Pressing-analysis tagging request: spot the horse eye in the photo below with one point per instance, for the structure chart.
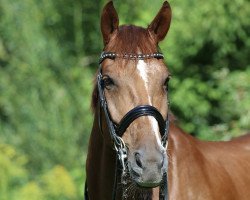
(165, 86)
(107, 82)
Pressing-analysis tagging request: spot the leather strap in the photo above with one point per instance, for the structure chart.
(139, 111)
(129, 56)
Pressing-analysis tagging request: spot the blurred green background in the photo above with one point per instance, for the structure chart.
(48, 56)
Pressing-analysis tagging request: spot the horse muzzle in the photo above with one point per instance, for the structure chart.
(147, 169)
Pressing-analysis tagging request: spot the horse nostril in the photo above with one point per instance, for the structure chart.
(138, 160)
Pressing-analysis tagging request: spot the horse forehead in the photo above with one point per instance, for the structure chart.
(147, 69)
(128, 66)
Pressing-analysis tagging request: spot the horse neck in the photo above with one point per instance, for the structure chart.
(183, 148)
(186, 163)
(101, 162)
(180, 143)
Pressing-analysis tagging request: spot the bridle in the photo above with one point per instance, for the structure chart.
(117, 130)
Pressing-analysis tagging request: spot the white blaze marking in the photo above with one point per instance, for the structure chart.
(143, 72)
(142, 67)
(155, 126)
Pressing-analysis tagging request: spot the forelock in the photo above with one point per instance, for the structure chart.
(132, 39)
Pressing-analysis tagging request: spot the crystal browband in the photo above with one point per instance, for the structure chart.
(130, 56)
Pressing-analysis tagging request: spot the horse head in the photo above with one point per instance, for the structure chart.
(137, 78)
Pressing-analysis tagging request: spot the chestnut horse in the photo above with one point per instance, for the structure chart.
(133, 82)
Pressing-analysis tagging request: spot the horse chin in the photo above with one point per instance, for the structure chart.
(138, 181)
(147, 185)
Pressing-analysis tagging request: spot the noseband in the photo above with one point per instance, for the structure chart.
(117, 130)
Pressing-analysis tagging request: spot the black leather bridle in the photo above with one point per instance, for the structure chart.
(117, 130)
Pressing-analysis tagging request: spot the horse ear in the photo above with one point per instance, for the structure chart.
(109, 21)
(161, 23)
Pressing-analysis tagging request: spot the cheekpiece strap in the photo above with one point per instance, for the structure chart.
(130, 56)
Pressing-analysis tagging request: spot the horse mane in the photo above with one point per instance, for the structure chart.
(127, 39)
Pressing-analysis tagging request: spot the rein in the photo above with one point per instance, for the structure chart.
(117, 130)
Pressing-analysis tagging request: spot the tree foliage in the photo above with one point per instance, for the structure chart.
(48, 54)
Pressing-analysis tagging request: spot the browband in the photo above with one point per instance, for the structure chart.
(130, 56)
